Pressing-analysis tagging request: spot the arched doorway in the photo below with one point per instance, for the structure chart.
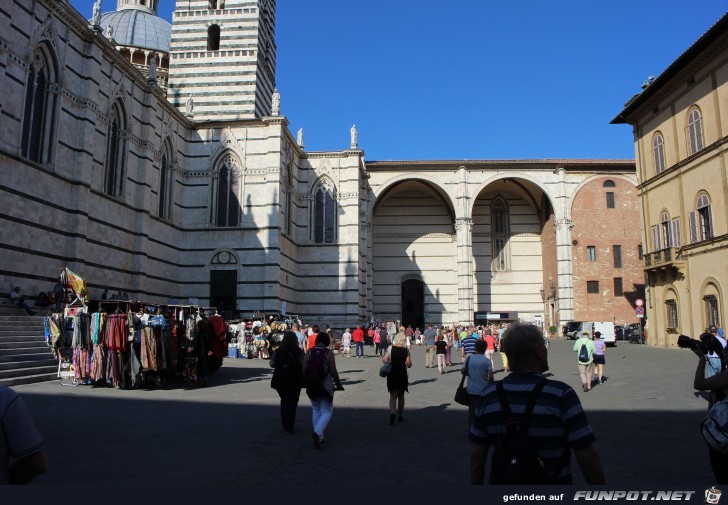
(413, 303)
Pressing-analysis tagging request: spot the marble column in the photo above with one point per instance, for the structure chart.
(464, 237)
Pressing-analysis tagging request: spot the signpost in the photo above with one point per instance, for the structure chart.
(640, 313)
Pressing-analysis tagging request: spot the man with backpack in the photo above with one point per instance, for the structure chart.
(532, 423)
(585, 348)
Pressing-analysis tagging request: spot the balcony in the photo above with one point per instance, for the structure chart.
(664, 258)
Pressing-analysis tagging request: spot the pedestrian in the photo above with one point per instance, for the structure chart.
(105, 294)
(490, 345)
(503, 355)
(384, 338)
(717, 384)
(409, 331)
(584, 347)
(377, 342)
(479, 371)
(600, 350)
(21, 446)
(441, 351)
(397, 380)
(716, 346)
(346, 343)
(467, 344)
(430, 349)
(17, 299)
(302, 339)
(312, 335)
(418, 336)
(358, 338)
(288, 379)
(557, 427)
(447, 337)
(322, 380)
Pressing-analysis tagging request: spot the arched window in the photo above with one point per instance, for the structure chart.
(40, 106)
(289, 200)
(324, 213)
(115, 151)
(213, 38)
(609, 194)
(500, 233)
(166, 183)
(695, 131)
(658, 152)
(227, 202)
(665, 230)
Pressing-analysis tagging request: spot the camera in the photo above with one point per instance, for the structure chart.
(686, 342)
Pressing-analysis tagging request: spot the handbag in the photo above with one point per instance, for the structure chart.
(461, 394)
(386, 369)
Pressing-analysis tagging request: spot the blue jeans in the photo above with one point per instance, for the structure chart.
(360, 348)
(323, 409)
(712, 366)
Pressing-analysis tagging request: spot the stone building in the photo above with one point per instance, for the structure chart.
(202, 193)
(679, 122)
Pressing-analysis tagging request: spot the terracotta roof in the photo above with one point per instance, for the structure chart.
(714, 32)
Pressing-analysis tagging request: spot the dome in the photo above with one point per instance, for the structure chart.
(136, 28)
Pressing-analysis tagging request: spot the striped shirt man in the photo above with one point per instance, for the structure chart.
(558, 423)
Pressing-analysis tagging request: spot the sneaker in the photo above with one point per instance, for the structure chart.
(289, 432)
(316, 440)
(391, 419)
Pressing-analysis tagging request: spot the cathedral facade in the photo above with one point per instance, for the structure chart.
(167, 170)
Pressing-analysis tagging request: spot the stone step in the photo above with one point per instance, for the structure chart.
(29, 379)
(37, 354)
(23, 332)
(34, 320)
(14, 365)
(21, 336)
(23, 350)
(21, 372)
(25, 343)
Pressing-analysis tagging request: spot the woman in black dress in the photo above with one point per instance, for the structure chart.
(288, 379)
(397, 380)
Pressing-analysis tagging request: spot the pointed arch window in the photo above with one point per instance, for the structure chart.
(695, 131)
(115, 150)
(500, 232)
(658, 152)
(324, 213)
(227, 202)
(288, 210)
(40, 106)
(166, 183)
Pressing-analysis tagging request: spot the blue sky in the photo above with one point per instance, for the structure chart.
(472, 79)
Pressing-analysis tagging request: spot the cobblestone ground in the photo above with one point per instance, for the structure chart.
(646, 418)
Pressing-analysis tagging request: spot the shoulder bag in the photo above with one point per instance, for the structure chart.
(461, 394)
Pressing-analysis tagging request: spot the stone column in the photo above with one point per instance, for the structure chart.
(464, 234)
(563, 226)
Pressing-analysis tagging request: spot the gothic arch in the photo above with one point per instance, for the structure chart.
(40, 104)
(323, 211)
(226, 190)
(224, 258)
(482, 187)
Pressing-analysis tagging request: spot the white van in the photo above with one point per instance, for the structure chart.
(605, 329)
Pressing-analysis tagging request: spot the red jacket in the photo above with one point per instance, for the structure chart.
(358, 335)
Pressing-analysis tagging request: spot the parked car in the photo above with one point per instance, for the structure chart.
(619, 332)
(632, 332)
(569, 329)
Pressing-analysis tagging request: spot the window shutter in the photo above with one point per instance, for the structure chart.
(677, 239)
(656, 238)
(693, 227)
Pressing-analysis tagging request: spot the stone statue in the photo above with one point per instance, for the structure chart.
(153, 68)
(189, 106)
(96, 19)
(276, 108)
(109, 31)
(299, 138)
(354, 144)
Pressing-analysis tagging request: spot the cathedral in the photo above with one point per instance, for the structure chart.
(155, 159)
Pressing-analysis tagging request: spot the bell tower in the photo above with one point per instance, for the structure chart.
(223, 58)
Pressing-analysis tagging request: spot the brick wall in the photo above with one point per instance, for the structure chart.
(600, 227)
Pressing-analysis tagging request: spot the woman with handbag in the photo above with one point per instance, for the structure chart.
(397, 380)
(288, 379)
(479, 371)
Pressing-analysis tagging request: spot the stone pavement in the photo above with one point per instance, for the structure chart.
(646, 418)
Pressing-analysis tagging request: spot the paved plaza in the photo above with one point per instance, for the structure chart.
(646, 418)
